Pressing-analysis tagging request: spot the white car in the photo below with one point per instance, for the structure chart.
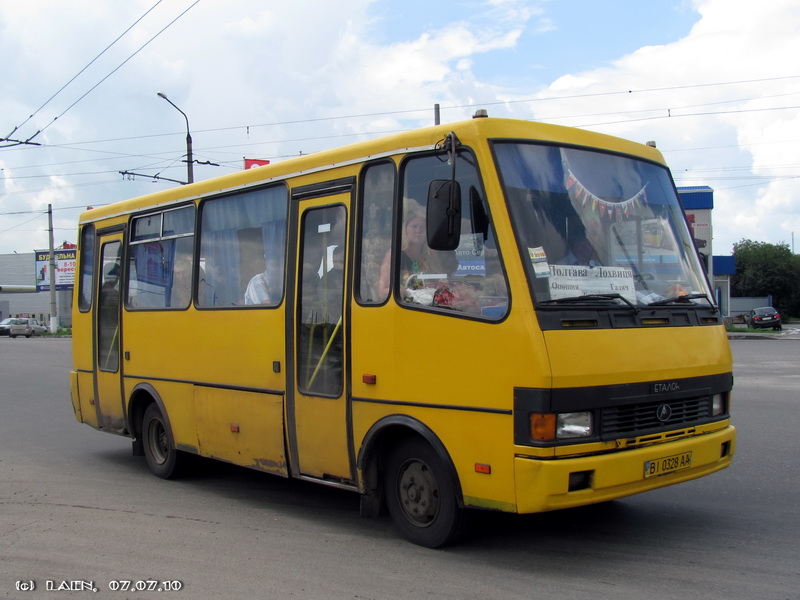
(27, 327)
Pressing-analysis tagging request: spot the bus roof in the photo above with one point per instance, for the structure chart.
(469, 132)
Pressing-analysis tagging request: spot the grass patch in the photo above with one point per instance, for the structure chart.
(60, 332)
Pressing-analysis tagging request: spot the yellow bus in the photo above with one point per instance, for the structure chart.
(491, 314)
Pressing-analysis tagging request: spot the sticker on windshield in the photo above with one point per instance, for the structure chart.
(539, 262)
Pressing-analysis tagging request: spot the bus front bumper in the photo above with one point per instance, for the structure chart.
(552, 484)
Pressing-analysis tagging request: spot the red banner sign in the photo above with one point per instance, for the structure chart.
(252, 163)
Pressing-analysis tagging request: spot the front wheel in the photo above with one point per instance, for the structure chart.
(421, 495)
(163, 458)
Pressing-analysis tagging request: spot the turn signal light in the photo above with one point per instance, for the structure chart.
(543, 427)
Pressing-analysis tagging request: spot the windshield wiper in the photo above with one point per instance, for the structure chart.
(685, 299)
(591, 298)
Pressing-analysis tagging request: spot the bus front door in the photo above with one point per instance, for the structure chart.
(107, 328)
(317, 393)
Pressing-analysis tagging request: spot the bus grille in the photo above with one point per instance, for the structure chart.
(636, 419)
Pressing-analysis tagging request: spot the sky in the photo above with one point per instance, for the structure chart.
(715, 83)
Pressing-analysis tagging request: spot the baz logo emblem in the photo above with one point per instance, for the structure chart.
(663, 412)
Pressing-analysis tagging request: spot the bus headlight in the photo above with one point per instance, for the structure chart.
(573, 425)
(718, 405)
(548, 427)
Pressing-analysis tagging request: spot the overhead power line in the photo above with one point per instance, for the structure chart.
(78, 74)
(656, 113)
(454, 107)
(38, 214)
(142, 47)
(662, 113)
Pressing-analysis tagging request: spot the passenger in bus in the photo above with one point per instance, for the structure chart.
(109, 291)
(571, 238)
(416, 258)
(264, 287)
(581, 252)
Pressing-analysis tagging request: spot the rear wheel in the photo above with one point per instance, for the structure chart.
(421, 495)
(163, 458)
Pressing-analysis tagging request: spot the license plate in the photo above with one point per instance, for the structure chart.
(667, 464)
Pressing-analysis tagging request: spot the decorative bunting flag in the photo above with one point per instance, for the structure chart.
(582, 194)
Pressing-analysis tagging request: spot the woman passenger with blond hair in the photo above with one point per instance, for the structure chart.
(416, 257)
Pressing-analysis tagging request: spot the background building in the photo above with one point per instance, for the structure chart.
(17, 270)
(698, 203)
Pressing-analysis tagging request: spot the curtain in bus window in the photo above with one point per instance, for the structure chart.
(220, 264)
(242, 248)
(180, 289)
(267, 287)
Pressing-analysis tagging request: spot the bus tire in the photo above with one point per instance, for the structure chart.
(163, 459)
(421, 495)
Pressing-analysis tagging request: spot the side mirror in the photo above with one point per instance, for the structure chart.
(444, 214)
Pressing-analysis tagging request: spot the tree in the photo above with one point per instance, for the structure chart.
(764, 269)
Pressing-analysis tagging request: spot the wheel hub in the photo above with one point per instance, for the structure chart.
(419, 493)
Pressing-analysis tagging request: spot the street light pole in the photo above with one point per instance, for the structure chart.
(189, 160)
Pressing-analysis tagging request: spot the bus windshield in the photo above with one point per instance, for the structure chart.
(599, 227)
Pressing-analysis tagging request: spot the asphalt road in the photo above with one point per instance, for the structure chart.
(76, 506)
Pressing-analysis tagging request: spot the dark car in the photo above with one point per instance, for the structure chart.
(5, 326)
(762, 318)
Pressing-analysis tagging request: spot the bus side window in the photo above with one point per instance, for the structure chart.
(376, 230)
(160, 260)
(86, 268)
(469, 279)
(243, 249)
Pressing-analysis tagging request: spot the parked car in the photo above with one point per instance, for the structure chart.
(762, 318)
(27, 327)
(5, 326)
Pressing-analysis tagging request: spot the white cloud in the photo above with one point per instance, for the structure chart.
(729, 126)
(244, 71)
